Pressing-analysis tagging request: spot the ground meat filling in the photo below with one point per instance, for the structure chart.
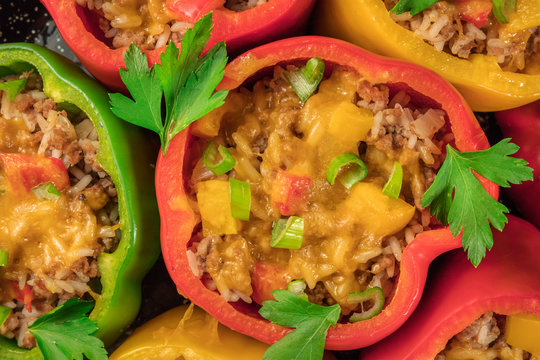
(146, 23)
(32, 123)
(483, 340)
(440, 25)
(270, 132)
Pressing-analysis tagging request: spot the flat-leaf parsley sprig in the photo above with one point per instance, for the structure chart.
(311, 321)
(66, 333)
(186, 80)
(458, 198)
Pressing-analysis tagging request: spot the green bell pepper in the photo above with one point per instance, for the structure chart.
(125, 156)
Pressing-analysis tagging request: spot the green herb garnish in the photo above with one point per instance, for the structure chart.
(458, 198)
(66, 332)
(4, 314)
(187, 81)
(392, 188)
(13, 87)
(218, 159)
(306, 79)
(416, 6)
(288, 233)
(352, 176)
(311, 323)
(4, 256)
(240, 198)
(46, 192)
(374, 295)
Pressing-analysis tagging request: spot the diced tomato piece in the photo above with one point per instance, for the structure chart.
(25, 172)
(266, 278)
(290, 193)
(25, 295)
(474, 11)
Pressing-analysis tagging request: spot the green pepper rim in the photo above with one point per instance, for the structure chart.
(128, 162)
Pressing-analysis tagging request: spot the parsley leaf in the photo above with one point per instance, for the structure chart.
(311, 321)
(458, 198)
(13, 87)
(66, 332)
(184, 79)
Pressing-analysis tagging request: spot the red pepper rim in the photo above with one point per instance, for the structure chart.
(459, 293)
(178, 219)
(241, 30)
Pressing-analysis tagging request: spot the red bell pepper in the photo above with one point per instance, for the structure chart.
(523, 126)
(178, 220)
(474, 11)
(241, 30)
(290, 192)
(506, 282)
(23, 295)
(266, 278)
(25, 172)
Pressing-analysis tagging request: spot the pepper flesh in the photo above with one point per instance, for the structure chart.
(241, 30)
(523, 126)
(479, 79)
(128, 163)
(178, 219)
(506, 282)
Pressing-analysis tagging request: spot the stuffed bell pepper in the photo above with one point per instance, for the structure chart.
(189, 333)
(99, 31)
(489, 50)
(309, 181)
(72, 203)
(523, 126)
(491, 312)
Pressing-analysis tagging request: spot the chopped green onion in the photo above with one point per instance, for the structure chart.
(3, 257)
(298, 287)
(499, 6)
(240, 197)
(4, 314)
(374, 295)
(13, 87)
(218, 159)
(351, 177)
(306, 79)
(2, 191)
(288, 233)
(46, 192)
(392, 188)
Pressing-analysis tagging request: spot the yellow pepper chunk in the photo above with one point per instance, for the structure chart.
(215, 208)
(523, 332)
(374, 212)
(190, 334)
(350, 124)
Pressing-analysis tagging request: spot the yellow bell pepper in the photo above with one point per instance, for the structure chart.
(485, 86)
(523, 332)
(189, 333)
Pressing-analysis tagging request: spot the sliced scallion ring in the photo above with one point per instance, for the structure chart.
(374, 295)
(240, 197)
(13, 87)
(46, 192)
(218, 159)
(298, 287)
(288, 233)
(4, 314)
(3, 257)
(392, 188)
(306, 79)
(352, 176)
(2, 191)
